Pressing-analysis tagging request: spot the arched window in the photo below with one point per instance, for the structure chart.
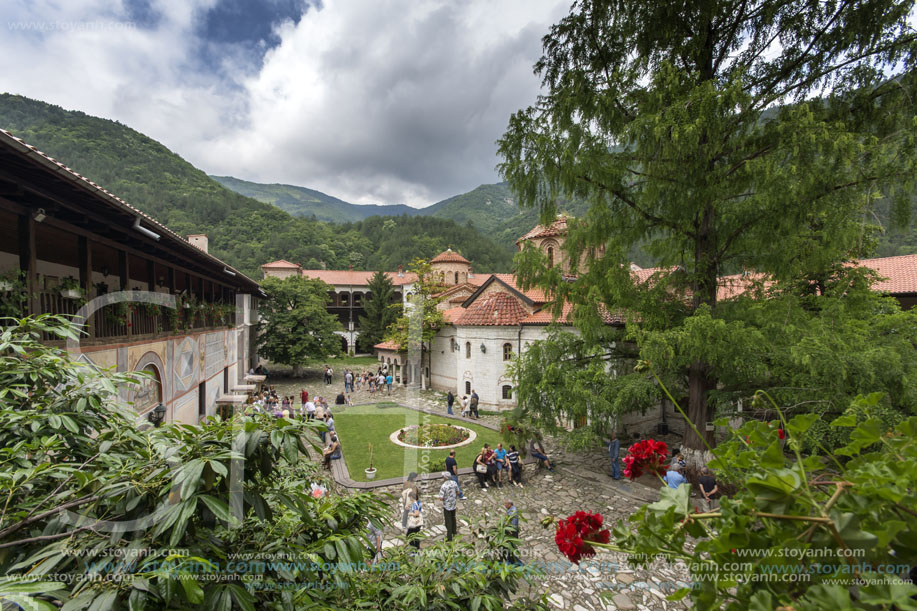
(467, 350)
(550, 256)
(345, 299)
(456, 277)
(507, 391)
(507, 351)
(467, 387)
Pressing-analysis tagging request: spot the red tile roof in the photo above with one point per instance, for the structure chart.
(899, 273)
(448, 256)
(388, 346)
(558, 227)
(545, 316)
(453, 314)
(498, 309)
(354, 278)
(534, 294)
(281, 264)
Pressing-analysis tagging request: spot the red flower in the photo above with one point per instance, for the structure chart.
(645, 455)
(575, 533)
(781, 434)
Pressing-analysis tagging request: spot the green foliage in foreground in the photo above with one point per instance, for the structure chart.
(806, 533)
(99, 514)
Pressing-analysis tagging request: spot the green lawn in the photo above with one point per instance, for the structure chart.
(364, 424)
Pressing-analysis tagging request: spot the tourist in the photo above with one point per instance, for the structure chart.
(415, 523)
(450, 399)
(673, 477)
(491, 464)
(614, 450)
(452, 468)
(388, 382)
(709, 490)
(515, 466)
(329, 422)
(679, 459)
(474, 404)
(409, 489)
(374, 534)
(348, 380)
(303, 398)
(448, 492)
(332, 452)
(466, 411)
(340, 399)
(512, 530)
(328, 375)
(310, 410)
(500, 464)
(480, 468)
(537, 451)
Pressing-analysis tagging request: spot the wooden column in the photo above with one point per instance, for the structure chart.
(171, 281)
(124, 266)
(151, 274)
(28, 260)
(85, 255)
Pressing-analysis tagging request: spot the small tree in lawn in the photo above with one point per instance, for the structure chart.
(295, 326)
(380, 312)
(719, 137)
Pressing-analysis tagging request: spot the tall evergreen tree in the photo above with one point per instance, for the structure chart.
(380, 312)
(722, 135)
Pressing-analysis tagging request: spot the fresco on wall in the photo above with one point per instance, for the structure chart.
(185, 366)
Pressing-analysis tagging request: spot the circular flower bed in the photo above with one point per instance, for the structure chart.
(433, 436)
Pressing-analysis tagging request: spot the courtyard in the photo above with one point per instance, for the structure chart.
(580, 481)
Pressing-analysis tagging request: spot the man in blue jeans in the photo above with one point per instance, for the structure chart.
(452, 470)
(501, 462)
(614, 448)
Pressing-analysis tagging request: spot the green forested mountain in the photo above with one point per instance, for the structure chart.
(301, 201)
(243, 231)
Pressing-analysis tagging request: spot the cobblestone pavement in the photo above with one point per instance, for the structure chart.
(580, 481)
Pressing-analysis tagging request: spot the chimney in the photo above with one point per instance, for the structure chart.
(198, 241)
(470, 272)
(401, 271)
(351, 268)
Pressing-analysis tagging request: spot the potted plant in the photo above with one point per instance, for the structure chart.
(371, 472)
(69, 288)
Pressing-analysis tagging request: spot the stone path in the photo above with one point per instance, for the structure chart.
(579, 482)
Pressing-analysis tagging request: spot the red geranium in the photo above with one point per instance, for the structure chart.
(781, 434)
(574, 535)
(648, 455)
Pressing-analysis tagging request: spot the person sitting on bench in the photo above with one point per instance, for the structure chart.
(537, 451)
(332, 452)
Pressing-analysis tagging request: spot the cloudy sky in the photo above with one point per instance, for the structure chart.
(372, 101)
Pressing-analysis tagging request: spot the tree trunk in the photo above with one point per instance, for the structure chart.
(298, 371)
(699, 412)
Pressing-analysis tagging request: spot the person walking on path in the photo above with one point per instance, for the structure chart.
(415, 523)
(450, 399)
(348, 380)
(512, 530)
(448, 493)
(474, 404)
(466, 411)
(329, 373)
(614, 449)
(310, 410)
(452, 469)
(388, 382)
(409, 493)
(709, 490)
(303, 398)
